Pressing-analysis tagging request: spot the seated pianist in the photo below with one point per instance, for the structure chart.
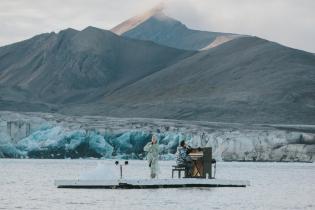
(183, 158)
(196, 161)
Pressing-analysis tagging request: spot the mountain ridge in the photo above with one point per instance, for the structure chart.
(235, 82)
(80, 60)
(94, 71)
(154, 24)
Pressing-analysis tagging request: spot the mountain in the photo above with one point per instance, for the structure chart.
(97, 72)
(155, 26)
(76, 67)
(247, 80)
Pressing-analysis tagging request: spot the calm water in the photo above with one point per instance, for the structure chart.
(28, 184)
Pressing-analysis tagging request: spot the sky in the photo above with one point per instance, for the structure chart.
(288, 22)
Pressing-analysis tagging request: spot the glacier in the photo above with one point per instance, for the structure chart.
(46, 135)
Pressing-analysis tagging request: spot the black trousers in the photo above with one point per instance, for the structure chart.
(188, 168)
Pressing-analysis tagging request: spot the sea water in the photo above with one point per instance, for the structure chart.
(29, 184)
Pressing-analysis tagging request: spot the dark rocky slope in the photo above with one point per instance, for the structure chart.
(74, 67)
(246, 80)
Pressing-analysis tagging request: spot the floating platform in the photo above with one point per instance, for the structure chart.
(149, 183)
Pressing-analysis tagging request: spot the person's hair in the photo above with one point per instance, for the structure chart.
(154, 137)
(182, 143)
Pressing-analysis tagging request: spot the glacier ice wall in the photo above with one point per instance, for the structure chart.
(60, 142)
(30, 135)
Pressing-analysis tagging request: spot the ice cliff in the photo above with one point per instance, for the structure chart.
(41, 135)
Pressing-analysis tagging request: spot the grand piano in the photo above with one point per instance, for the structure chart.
(202, 162)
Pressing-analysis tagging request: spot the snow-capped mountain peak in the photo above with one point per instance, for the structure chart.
(135, 21)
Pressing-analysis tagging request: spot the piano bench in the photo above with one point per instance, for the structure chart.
(179, 169)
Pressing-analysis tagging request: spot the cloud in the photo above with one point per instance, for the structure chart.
(289, 22)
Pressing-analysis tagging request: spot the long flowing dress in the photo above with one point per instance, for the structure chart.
(153, 157)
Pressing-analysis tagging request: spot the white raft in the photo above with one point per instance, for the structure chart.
(150, 183)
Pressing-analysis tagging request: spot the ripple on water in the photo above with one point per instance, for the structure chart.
(273, 186)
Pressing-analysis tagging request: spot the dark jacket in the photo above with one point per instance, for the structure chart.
(182, 155)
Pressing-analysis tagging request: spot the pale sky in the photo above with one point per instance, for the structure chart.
(289, 22)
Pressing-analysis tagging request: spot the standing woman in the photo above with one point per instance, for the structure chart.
(153, 156)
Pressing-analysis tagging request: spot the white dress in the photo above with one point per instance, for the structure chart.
(153, 157)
